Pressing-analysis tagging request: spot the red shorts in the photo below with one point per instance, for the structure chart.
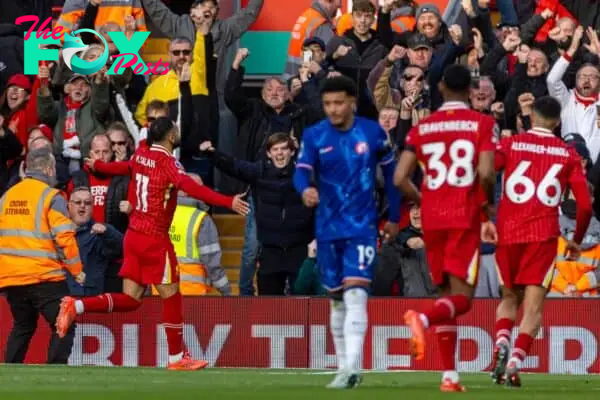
(148, 260)
(523, 264)
(453, 252)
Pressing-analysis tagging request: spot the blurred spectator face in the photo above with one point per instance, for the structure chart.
(153, 115)
(567, 26)
(80, 207)
(16, 96)
(110, 27)
(413, 81)
(537, 64)
(330, 6)
(415, 217)
(180, 52)
(509, 30)
(280, 154)
(362, 21)
(473, 59)
(35, 134)
(206, 11)
(420, 57)
(119, 142)
(587, 81)
(429, 25)
(388, 119)
(39, 143)
(318, 55)
(100, 149)
(482, 98)
(338, 107)
(78, 90)
(275, 93)
(93, 53)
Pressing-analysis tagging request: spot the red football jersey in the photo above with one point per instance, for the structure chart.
(537, 169)
(447, 145)
(156, 176)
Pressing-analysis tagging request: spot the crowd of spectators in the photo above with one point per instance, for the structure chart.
(551, 47)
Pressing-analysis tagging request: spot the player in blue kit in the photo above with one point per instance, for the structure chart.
(335, 172)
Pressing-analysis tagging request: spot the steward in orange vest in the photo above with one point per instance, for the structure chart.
(403, 20)
(315, 21)
(37, 243)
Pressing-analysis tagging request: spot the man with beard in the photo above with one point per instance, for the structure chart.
(149, 257)
(579, 105)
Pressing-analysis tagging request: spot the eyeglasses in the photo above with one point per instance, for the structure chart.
(87, 203)
(119, 143)
(411, 77)
(181, 52)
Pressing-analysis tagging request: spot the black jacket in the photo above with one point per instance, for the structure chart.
(12, 54)
(117, 192)
(10, 149)
(256, 122)
(281, 218)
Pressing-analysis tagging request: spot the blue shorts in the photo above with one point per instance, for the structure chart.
(346, 259)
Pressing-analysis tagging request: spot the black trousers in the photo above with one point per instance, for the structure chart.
(278, 266)
(26, 303)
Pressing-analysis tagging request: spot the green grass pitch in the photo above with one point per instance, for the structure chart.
(90, 383)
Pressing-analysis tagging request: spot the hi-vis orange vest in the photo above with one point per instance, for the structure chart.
(183, 233)
(31, 234)
(305, 25)
(579, 273)
(401, 23)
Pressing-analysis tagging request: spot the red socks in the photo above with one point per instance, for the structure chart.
(447, 338)
(522, 347)
(446, 309)
(110, 302)
(173, 323)
(504, 328)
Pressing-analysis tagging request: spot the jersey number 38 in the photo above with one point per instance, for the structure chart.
(460, 172)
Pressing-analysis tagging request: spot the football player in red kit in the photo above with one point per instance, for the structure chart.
(538, 167)
(455, 146)
(149, 257)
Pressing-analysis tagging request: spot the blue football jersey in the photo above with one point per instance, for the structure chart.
(343, 165)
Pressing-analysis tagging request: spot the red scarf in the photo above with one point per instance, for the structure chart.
(586, 101)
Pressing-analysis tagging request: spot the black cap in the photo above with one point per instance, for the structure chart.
(419, 41)
(577, 142)
(314, 40)
(457, 78)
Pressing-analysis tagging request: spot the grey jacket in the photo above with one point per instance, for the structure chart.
(224, 33)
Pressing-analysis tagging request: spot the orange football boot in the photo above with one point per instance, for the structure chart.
(66, 316)
(417, 341)
(449, 386)
(187, 364)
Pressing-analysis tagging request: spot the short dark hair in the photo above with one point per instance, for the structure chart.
(457, 78)
(339, 84)
(547, 107)
(363, 6)
(196, 3)
(280, 137)
(117, 126)
(159, 129)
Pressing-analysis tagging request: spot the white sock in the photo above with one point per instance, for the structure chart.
(337, 315)
(355, 326)
(516, 361)
(425, 320)
(175, 358)
(79, 307)
(452, 375)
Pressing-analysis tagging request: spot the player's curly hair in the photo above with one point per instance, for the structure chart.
(159, 129)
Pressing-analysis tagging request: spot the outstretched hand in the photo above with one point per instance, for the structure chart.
(239, 205)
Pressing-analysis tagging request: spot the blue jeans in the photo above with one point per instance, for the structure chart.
(507, 11)
(249, 253)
